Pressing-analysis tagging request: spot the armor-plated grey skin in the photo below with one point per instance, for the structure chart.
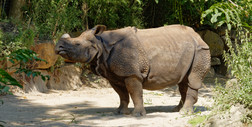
(134, 59)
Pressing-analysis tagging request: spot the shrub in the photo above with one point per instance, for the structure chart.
(20, 57)
(237, 58)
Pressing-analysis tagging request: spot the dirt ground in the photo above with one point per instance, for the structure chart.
(95, 106)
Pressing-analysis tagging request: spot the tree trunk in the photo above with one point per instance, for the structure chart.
(15, 9)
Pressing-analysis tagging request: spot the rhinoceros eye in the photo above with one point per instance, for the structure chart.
(77, 44)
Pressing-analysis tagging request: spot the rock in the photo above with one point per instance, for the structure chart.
(65, 78)
(45, 51)
(215, 61)
(211, 73)
(228, 74)
(8, 66)
(222, 31)
(230, 83)
(214, 41)
(229, 119)
(202, 33)
(36, 84)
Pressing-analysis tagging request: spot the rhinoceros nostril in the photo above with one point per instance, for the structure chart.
(61, 47)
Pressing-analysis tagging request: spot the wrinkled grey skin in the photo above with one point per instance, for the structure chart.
(135, 59)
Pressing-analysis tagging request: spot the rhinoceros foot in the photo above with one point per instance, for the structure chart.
(177, 108)
(186, 111)
(139, 112)
(123, 111)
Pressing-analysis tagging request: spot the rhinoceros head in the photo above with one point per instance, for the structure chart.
(80, 49)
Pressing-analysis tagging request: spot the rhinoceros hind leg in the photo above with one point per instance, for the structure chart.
(124, 99)
(200, 67)
(190, 100)
(182, 90)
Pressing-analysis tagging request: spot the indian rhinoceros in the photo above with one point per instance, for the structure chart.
(134, 59)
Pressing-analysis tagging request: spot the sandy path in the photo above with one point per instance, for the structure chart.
(94, 107)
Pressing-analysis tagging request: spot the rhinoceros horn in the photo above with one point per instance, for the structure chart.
(65, 36)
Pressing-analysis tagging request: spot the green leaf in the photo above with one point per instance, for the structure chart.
(139, 1)
(156, 1)
(48, 77)
(12, 61)
(220, 23)
(29, 73)
(43, 77)
(6, 89)
(229, 26)
(8, 80)
(214, 17)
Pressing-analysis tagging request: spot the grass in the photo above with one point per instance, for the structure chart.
(197, 120)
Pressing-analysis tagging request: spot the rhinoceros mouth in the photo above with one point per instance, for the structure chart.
(62, 52)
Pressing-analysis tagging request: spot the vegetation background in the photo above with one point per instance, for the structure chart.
(48, 19)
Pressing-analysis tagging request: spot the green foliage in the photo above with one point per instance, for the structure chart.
(114, 13)
(187, 12)
(197, 120)
(8, 42)
(54, 16)
(27, 38)
(24, 56)
(19, 57)
(222, 13)
(229, 14)
(239, 61)
(238, 57)
(14, 38)
(6, 80)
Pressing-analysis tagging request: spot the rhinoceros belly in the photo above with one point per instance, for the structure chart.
(166, 69)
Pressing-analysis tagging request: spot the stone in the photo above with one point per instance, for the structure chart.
(230, 83)
(228, 119)
(214, 42)
(45, 51)
(65, 78)
(36, 84)
(215, 61)
(8, 66)
(210, 73)
(202, 33)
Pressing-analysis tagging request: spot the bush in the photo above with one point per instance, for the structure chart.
(52, 18)
(19, 57)
(237, 58)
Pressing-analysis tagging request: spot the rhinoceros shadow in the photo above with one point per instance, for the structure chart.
(109, 111)
(169, 109)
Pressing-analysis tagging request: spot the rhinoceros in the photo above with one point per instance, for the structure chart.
(134, 59)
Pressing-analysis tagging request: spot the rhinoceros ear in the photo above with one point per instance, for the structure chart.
(98, 29)
(65, 36)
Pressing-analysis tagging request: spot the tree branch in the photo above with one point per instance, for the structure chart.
(234, 4)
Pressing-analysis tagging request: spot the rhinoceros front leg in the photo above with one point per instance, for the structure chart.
(124, 99)
(135, 88)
